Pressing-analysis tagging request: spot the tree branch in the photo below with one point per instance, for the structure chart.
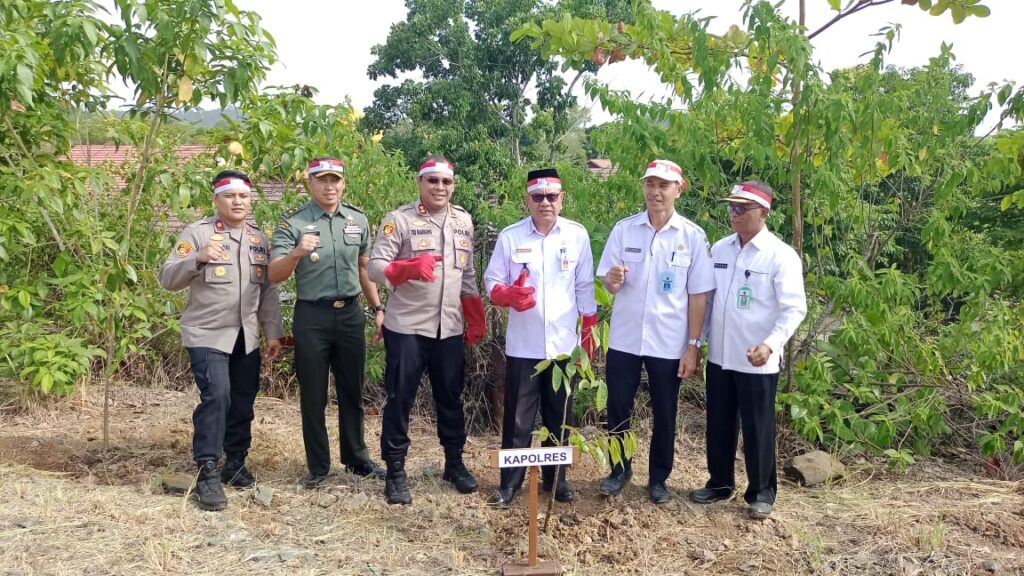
(861, 5)
(35, 197)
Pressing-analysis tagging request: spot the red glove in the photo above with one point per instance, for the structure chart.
(476, 325)
(516, 296)
(418, 268)
(587, 335)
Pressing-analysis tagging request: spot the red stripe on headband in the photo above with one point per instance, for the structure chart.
(669, 166)
(756, 192)
(317, 163)
(227, 181)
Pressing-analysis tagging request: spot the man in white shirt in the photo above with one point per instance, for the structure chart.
(757, 305)
(542, 269)
(658, 264)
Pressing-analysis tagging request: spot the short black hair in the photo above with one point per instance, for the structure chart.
(231, 174)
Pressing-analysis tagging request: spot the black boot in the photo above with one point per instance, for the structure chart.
(209, 493)
(456, 472)
(563, 491)
(395, 489)
(235, 473)
(503, 496)
(616, 481)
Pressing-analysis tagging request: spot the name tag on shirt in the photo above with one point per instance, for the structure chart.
(634, 250)
(353, 229)
(721, 265)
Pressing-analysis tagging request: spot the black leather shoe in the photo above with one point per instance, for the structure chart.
(367, 470)
(314, 481)
(563, 490)
(659, 493)
(615, 482)
(709, 495)
(460, 476)
(760, 510)
(503, 497)
(396, 491)
(209, 493)
(235, 473)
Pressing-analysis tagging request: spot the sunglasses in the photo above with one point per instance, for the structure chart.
(741, 209)
(446, 181)
(551, 197)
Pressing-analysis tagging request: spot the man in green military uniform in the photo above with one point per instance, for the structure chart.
(326, 243)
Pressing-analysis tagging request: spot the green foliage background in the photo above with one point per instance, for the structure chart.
(907, 217)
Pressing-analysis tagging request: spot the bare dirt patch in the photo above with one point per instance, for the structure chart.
(69, 507)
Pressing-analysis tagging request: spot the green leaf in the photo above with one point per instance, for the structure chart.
(601, 398)
(556, 378)
(540, 367)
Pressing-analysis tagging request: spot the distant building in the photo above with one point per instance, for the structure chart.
(600, 167)
(121, 160)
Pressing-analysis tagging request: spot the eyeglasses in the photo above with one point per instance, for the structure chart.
(434, 180)
(740, 209)
(551, 197)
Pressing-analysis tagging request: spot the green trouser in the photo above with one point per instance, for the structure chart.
(331, 339)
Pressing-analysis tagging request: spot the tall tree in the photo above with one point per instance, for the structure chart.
(477, 91)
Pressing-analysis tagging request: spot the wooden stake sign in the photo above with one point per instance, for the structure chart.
(533, 458)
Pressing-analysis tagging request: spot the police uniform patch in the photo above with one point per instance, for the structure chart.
(388, 228)
(462, 259)
(419, 223)
(464, 243)
(259, 272)
(219, 271)
(255, 240)
(184, 249)
(421, 209)
(424, 243)
(283, 225)
(218, 225)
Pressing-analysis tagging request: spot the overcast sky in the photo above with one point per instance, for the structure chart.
(327, 44)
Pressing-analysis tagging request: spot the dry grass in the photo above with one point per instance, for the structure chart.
(68, 507)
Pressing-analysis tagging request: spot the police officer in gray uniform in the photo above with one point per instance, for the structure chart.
(326, 242)
(424, 252)
(222, 260)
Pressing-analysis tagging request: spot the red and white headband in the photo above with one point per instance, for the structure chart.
(231, 184)
(752, 194)
(435, 166)
(664, 169)
(329, 165)
(542, 183)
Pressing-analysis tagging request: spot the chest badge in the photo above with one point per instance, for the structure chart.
(219, 271)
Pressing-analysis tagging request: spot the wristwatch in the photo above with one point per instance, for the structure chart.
(375, 309)
(695, 342)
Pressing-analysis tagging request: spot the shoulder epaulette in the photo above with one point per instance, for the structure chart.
(347, 205)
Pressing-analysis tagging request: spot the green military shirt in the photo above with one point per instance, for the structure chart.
(344, 237)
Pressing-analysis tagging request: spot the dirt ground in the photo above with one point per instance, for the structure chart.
(69, 507)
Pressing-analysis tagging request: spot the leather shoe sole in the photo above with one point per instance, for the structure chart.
(502, 498)
(314, 481)
(613, 485)
(367, 470)
(760, 510)
(659, 493)
(708, 495)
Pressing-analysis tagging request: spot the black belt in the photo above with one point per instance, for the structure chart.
(332, 302)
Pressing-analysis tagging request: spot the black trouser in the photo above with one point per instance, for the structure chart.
(228, 384)
(522, 395)
(407, 355)
(751, 398)
(329, 339)
(623, 374)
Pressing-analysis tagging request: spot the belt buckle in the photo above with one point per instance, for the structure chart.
(339, 304)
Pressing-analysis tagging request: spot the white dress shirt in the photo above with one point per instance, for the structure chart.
(649, 317)
(561, 269)
(759, 298)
